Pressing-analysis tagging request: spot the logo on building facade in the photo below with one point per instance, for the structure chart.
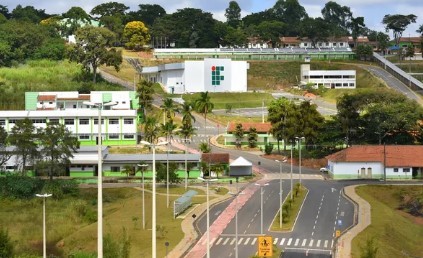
(217, 75)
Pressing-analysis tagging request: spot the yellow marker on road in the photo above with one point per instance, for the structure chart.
(337, 233)
(265, 246)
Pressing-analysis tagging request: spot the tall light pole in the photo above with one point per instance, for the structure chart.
(99, 176)
(261, 206)
(44, 196)
(143, 192)
(280, 191)
(186, 162)
(292, 146)
(207, 181)
(299, 140)
(153, 210)
(236, 216)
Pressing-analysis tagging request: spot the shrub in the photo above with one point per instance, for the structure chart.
(6, 247)
(268, 148)
(20, 187)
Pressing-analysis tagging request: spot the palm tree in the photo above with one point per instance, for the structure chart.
(129, 170)
(204, 105)
(168, 109)
(186, 131)
(168, 129)
(186, 111)
(145, 93)
(151, 129)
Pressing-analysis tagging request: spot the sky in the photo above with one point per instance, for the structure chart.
(373, 11)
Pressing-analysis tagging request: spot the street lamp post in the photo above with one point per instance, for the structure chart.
(44, 196)
(261, 206)
(299, 139)
(280, 191)
(292, 146)
(99, 176)
(207, 181)
(143, 193)
(236, 216)
(153, 213)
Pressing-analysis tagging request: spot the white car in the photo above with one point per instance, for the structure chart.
(323, 170)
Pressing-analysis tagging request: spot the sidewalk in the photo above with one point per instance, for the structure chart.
(364, 220)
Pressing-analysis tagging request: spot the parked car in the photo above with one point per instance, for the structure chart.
(324, 170)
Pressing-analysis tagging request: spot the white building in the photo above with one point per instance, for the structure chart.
(333, 79)
(119, 122)
(376, 162)
(213, 75)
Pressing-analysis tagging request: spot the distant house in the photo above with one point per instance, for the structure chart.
(263, 133)
(373, 161)
(332, 79)
(287, 42)
(256, 42)
(331, 42)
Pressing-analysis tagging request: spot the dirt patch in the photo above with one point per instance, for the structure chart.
(309, 163)
(415, 219)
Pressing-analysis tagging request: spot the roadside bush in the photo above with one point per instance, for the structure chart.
(119, 248)
(20, 187)
(268, 148)
(6, 247)
(60, 187)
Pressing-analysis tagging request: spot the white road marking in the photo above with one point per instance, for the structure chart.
(296, 241)
(246, 241)
(282, 241)
(226, 241)
(304, 242)
(240, 240)
(233, 241)
(275, 241)
(289, 241)
(254, 241)
(218, 241)
(326, 244)
(311, 243)
(318, 243)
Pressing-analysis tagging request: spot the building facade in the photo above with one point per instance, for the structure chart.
(332, 79)
(119, 122)
(376, 162)
(210, 74)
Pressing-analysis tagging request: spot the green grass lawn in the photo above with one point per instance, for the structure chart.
(396, 233)
(71, 222)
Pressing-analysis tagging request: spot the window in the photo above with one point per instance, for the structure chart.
(54, 121)
(2, 122)
(41, 102)
(38, 121)
(128, 136)
(113, 121)
(96, 121)
(341, 44)
(74, 106)
(50, 103)
(128, 121)
(84, 121)
(113, 136)
(115, 169)
(123, 102)
(406, 170)
(84, 137)
(395, 169)
(69, 121)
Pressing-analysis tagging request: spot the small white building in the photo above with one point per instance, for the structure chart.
(376, 161)
(332, 79)
(210, 74)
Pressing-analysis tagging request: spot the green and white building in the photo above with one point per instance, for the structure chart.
(119, 122)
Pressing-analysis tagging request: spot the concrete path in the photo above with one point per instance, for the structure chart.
(343, 248)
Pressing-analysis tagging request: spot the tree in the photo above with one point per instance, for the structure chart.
(75, 18)
(283, 118)
(204, 105)
(420, 31)
(151, 129)
(398, 23)
(28, 14)
(315, 29)
(364, 52)
(93, 48)
(252, 137)
(290, 12)
(147, 13)
(135, 35)
(145, 92)
(257, 18)
(204, 147)
(357, 28)
(5, 11)
(338, 16)
(57, 147)
(271, 30)
(4, 153)
(233, 14)
(109, 9)
(23, 138)
(129, 170)
(234, 38)
(162, 173)
(409, 52)
(169, 109)
(239, 134)
(186, 131)
(310, 122)
(167, 129)
(186, 112)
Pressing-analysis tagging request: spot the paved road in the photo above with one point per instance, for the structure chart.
(325, 210)
(392, 82)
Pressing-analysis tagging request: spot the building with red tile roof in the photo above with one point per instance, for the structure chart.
(263, 133)
(376, 161)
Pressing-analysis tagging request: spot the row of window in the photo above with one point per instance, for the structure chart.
(405, 170)
(113, 136)
(330, 77)
(82, 121)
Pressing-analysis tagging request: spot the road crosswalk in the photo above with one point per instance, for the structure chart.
(291, 242)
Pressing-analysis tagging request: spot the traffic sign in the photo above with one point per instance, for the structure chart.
(265, 248)
(338, 233)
